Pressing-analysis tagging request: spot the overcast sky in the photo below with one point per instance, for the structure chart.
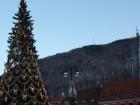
(62, 25)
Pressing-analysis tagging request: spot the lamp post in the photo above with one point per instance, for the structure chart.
(71, 72)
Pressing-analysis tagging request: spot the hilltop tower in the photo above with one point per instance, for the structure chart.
(22, 83)
(138, 64)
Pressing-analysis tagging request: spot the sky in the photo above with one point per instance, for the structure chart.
(62, 25)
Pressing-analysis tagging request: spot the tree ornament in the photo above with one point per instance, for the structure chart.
(5, 99)
(24, 96)
(1, 93)
(32, 88)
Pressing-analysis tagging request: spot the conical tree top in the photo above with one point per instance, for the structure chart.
(22, 83)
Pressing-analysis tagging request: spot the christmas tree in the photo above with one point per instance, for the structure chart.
(22, 83)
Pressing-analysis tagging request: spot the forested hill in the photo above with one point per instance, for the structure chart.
(96, 63)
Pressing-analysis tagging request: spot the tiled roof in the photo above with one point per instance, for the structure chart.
(121, 89)
(88, 94)
(56, 99)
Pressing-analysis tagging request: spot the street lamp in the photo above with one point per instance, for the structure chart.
(71, 72)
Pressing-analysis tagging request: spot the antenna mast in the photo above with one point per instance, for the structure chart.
(138, 36)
